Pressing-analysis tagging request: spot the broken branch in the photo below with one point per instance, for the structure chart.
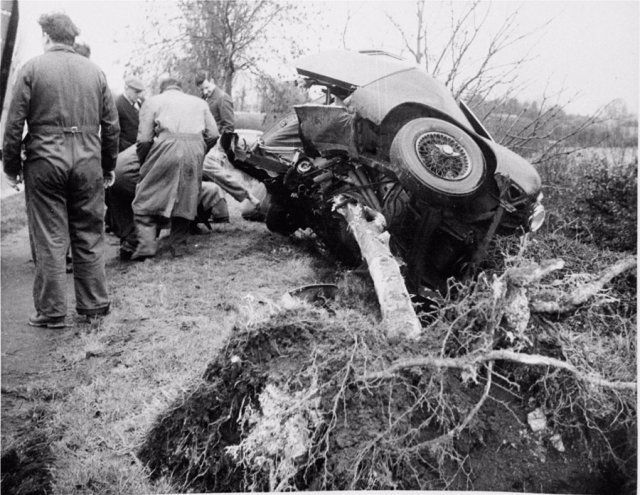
(564, 303)
(469, 362)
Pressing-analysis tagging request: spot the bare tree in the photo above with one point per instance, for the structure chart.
(225, 35)
(475, 70)
(222, 37)
(540, 129)
(453, 62)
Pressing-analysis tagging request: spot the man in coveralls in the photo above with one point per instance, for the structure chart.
(71, 151)
(171, 146)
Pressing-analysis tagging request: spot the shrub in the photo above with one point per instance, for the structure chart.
(607, 205)
(592, 198)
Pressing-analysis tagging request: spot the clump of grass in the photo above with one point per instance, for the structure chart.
(14, 214)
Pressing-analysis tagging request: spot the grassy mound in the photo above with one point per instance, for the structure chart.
(298, 402)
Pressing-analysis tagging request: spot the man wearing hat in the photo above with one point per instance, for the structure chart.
(128, 105)
(70, 155)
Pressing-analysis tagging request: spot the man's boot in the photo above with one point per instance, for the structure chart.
(220, 212)
(147, 239)
(179, 236)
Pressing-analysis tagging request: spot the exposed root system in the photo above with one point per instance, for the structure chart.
(300, 401)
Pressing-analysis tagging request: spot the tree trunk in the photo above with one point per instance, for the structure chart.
(228, 80)
(368, 228)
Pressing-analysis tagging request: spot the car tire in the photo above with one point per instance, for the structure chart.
(279, 219)
(436, 160)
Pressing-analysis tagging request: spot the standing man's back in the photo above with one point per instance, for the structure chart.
(71, 149)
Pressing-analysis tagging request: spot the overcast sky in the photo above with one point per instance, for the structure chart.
(588, 47)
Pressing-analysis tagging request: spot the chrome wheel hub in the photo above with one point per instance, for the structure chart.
(443, 156)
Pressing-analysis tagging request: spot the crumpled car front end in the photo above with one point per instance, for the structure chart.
(392, 138)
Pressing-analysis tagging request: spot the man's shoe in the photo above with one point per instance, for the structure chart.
(46, 321)
(254, 215)
(197, 230)
(142, 254)
(96, 314)
(125, 254)
(180, 251)
(220, 220)
(93, 318)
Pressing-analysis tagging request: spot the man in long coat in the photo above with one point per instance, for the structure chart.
(171, 147)
(123, 193)
(71, 150)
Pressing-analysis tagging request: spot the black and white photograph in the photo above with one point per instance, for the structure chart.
(319, 245)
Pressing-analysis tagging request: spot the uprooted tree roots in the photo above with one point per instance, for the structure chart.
(321, 399)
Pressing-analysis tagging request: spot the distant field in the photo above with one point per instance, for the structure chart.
(616, 156)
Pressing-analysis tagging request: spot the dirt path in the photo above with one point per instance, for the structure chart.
(24, 348)
(27, 352)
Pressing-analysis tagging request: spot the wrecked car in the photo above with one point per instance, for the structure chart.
(390, 137)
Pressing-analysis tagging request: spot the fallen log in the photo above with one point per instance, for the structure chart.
(513, 286)
(369, 230)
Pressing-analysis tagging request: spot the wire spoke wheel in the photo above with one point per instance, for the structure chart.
(437, 161)
(443, 156)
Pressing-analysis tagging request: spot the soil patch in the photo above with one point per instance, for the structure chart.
(26, 468)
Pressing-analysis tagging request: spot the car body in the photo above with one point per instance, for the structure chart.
(394, 139)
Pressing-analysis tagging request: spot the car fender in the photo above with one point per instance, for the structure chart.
(516, 168)
(401, 114)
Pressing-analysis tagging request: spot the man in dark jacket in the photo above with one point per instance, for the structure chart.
(128, 105)
(221, 106)
(71, 149)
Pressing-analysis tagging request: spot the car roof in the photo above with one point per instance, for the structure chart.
(351, 69)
